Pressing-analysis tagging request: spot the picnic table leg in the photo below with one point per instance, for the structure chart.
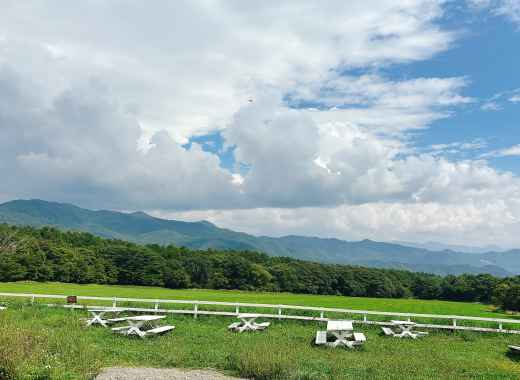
(135, 329)
(97, 318)
(341, 338)
(247, 324)
(406, 331)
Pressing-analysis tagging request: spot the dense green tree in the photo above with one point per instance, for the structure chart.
(48, 254)
(511, 300)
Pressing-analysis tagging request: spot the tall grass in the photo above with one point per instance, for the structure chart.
(37, 342)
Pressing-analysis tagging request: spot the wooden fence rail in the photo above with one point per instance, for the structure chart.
(281, 312)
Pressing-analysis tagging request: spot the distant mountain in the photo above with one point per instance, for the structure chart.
(436, 246)
(143, 228)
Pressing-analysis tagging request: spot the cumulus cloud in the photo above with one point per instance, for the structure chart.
(96, 106)
(83, 148)
(187, 67)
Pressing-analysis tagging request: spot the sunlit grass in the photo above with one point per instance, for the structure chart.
(358, 303)
(37, 342)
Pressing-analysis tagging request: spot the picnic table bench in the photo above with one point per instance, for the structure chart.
(137, 324)
(514, 349)
(248, 323)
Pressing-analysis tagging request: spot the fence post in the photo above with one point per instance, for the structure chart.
(279, 313)
(500, 326)
(237, 309)
(195, 310)
(454, 322)
(114, 302)
(322, 314)
(365, 318)
(32, 300)
(156, 306)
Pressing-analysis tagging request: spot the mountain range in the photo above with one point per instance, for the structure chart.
(140, 227)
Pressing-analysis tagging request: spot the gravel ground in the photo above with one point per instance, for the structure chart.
(160, 374)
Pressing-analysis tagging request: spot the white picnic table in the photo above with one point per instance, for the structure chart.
(405, 328)
(2, 308)
(136, 326)
(99, 313)
(342, 331)
(248, 323)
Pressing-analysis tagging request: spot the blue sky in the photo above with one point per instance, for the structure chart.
(487, 53)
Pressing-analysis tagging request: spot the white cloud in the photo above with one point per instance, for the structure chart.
(457, 147)
(83, 148)
(95, 104)
(480, 224)
(490, 106)
(507, 8)
(511, 151)
(297, 160)
(383, 105)
(510, 9)
(497, 101)
(187, 67)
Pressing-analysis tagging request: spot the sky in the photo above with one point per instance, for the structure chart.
(380, 119)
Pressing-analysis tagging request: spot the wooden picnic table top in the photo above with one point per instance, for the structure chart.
(339, 326)
(145, 318)
(403, 323)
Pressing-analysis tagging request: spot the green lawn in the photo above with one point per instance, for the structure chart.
(41, 343)
(361, 303)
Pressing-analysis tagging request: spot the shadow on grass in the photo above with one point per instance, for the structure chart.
(513, 356)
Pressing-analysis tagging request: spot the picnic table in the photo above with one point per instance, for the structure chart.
(137, 324)
(248, 323)
(341, 330)
(2, 308)
(98, 316)
(405, 328)
(342, 333)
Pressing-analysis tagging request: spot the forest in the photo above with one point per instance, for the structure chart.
(48, 254)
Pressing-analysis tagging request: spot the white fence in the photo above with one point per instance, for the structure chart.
(454, 322)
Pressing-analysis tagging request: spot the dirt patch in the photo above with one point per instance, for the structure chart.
(161, 374)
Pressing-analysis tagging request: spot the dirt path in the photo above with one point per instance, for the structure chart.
(161, 374)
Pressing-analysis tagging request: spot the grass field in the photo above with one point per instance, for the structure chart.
(361, 303)
(37, 342)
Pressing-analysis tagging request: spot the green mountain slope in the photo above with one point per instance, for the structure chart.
(142, 228)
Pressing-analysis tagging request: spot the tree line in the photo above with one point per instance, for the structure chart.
(48, 254)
